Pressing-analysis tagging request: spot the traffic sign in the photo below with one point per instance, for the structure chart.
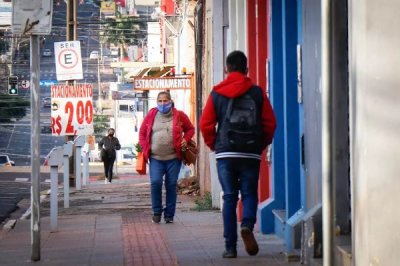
(68, 60)
(32, 17)
(25, 84)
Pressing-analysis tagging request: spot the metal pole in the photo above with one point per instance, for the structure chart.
(85, 169)
(66, 181)
(53, 197)
(99, 84)
(78, 167)
(116, 125)
(71, 36)
(35, 148)
(327, 177)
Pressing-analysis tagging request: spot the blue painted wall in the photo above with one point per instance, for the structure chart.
(291, 107)
(277, 200)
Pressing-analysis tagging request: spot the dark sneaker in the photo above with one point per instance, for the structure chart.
(250, 242)
(156, 218)
(169, 220)
(229, 254)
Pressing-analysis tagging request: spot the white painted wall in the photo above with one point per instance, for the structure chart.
(147, 2)
(184, 49)
(154, 43)
(235, 39)
(215, 59)
(375, 130)
(237, 33)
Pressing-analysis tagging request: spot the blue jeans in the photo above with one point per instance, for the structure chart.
(158, 169)
(238, 174)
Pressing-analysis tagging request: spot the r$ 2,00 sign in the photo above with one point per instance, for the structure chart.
(72, 110)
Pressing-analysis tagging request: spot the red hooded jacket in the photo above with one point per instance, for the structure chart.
(235, 85)
(182, 127)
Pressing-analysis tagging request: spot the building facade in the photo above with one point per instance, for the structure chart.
(283, 42)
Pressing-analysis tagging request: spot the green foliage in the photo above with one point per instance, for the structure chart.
(138, 148)
(101, 124)
(123, 30)
(4, 46)
(204, 203)
(12, 107)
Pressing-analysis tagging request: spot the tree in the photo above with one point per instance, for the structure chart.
(123, 31)
(101, 123)
(4, 46)
(12, 107)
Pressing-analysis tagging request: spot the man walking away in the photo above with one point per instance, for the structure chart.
(238, 123)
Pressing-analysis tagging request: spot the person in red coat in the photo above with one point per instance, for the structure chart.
(238, 166)
(164, 132)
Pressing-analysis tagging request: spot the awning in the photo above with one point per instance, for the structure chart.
(138, 64)
(143, 69)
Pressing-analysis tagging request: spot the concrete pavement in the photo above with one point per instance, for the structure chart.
(111, 225)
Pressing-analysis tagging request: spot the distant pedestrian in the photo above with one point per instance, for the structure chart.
(163, 133)
(108, 146)
(238, 123)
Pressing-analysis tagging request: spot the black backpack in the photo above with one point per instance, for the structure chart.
(243, 123)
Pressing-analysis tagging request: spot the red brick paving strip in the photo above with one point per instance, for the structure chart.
(144, 242)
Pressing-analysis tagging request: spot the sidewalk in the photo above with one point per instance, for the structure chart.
(111, 225)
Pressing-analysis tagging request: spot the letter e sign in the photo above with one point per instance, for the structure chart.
(68, 60)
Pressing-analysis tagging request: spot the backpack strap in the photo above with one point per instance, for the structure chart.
(229, 109)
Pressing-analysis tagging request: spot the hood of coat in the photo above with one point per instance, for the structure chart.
(234, 85)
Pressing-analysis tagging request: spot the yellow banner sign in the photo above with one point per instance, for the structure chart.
(107, 7)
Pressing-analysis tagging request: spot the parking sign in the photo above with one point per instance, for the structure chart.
(68, 60)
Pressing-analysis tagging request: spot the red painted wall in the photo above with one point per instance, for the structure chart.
(168, 7)
(252, 39)
(257, 55)
(257, 22)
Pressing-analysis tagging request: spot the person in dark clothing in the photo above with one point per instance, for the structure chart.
(108, 146)
(238, 167)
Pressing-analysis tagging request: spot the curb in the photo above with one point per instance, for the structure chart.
(10, 224)
(28, 212)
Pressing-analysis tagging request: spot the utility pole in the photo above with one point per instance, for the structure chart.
(35, 148)
(71, 36)
(71, 20)
(27, 21)
(328, 183)
(99, 105)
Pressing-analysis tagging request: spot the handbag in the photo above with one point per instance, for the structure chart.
(189, 154)
(140, 164)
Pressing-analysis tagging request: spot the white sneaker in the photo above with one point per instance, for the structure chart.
(106, 181)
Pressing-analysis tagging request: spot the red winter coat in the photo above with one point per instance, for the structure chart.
(234, 85)
(186, 130)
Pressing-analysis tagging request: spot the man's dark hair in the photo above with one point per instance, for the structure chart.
(236, 61)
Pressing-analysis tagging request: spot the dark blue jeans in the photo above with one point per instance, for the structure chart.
(158, 169)
(238, 174)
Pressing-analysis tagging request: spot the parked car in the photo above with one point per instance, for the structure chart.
(46, 129)
(94, 55)
(114, 51)
(47, 102)
(5, 161)
(47, 52)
